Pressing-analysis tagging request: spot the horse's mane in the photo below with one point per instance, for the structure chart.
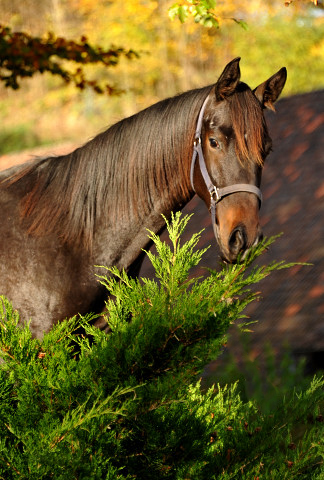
(122, 171)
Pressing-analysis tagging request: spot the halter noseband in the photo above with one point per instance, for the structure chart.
(216, 194)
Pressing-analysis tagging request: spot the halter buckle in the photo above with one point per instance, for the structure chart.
(197, 140)
(214, 194)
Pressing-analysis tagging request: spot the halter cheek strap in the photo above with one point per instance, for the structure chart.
(216, 194)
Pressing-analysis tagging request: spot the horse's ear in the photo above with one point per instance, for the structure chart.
(268, 92)
(229, 79)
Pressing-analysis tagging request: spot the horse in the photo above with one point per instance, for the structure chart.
(61, 216)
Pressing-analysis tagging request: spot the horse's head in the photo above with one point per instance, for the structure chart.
(232, 142)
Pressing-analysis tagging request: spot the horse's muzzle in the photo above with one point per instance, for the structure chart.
(239, 245)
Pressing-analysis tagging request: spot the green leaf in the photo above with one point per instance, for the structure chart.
(173, 11)
(210, 21)
(183, 13)
(242, 23)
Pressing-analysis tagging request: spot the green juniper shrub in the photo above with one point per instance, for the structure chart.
(128, 405)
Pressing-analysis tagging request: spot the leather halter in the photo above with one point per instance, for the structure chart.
(216, 194)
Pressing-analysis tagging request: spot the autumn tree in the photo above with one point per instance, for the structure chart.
(23, 55)
(171, 57)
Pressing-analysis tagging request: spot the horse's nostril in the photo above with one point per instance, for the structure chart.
(237, 241)
(258, 239)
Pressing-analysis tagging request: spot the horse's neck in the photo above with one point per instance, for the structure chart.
(138, 203)
(124, 246)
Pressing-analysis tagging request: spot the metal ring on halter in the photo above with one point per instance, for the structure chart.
(197, 141)
(215, 192)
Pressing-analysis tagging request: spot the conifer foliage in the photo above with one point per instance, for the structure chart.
(129, 405)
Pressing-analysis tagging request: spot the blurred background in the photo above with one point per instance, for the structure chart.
(174, 57)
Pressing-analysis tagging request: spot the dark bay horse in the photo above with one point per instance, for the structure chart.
(61, 216)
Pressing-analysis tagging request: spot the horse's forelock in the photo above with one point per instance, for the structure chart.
(248, 124)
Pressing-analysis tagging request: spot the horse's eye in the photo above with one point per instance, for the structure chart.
(214, 143)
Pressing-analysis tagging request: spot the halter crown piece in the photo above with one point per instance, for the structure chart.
(216, 194)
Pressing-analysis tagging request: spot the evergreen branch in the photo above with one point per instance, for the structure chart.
(86, 417)
(10, 466)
